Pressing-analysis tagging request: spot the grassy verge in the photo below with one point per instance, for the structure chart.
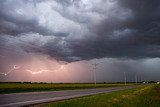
(31, 87)
(145, 96)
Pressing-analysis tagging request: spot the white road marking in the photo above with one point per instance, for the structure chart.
(57, 98)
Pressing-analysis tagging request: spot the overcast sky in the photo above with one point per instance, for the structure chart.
(59, 40)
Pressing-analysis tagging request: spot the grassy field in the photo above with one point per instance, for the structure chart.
(145, 96)
(30, 87)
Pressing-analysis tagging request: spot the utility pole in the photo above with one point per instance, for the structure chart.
(136, 79)
(94, 72)
(125, 79)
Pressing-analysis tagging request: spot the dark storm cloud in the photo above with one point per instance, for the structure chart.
(84, 30)
(14, 21)
(134, 37)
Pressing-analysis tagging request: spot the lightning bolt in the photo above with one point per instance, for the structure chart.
(15, 67)
(43, 70)
(3, 73)
(37, 72)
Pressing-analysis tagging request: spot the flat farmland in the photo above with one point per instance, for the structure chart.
(32, 87)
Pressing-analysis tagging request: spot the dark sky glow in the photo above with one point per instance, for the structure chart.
(45, 35)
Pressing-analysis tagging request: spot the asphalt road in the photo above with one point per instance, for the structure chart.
(23, 99)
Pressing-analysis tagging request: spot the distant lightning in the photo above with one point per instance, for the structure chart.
(15, 67)
(44, 70)
(3, 73)
(37, 72)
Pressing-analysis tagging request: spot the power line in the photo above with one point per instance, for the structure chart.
(94, 72)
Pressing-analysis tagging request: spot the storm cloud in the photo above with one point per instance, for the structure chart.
(74, 30)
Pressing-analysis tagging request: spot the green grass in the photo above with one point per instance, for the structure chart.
(145, 96)
(31, 87)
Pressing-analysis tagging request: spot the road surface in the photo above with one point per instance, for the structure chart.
(23, 99)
